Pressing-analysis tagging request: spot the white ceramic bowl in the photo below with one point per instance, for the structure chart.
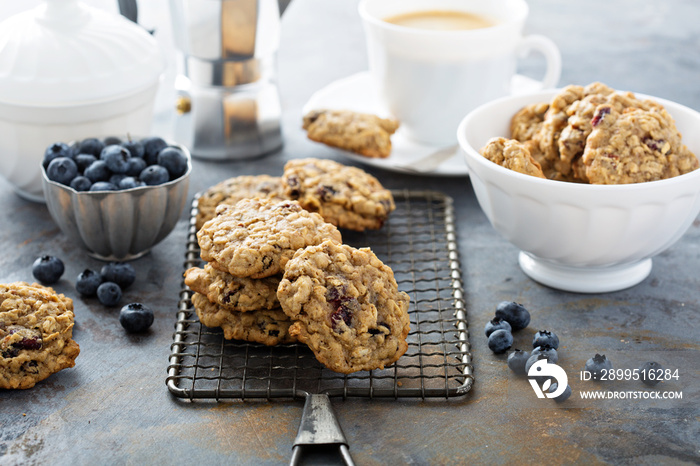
(579, 237)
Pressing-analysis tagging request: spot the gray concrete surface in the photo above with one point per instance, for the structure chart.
(114, 408)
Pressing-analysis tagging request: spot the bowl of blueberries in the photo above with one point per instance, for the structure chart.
(115, 197)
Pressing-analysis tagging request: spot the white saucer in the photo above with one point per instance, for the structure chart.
(358, 93)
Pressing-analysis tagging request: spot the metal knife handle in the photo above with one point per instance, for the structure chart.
(319, 426)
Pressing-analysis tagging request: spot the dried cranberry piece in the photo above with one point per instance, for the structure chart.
(10, 353)
(334, 294)
(342, 313)
(343, 305)
(326, 192)
(29, 343)
(30, 367)
(294, 185)
(599, 115)
(654, 144)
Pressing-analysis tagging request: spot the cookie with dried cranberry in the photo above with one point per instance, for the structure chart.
(36, 330)
(362, 133)
(346, 307)
(267, 326)
(232, 190)
(634, 146)
(256, 237)
(233, 293)
(513, 155)
(347, 197)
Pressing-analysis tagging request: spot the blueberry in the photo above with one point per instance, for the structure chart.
(496, 324)
(135, 148)
(48, 269)
(98, 171)
(564, 396)
(650, 373)
(74, 150)
(87, 282)
(154, 175)
(109, 293)
(514, 313)
(116, 158)
(58, 149)
(130, 182)
(135, 317)
(545, 338)
(112, 140)
(173, 160)
(84, 160)
(500, 341)
(517, 360)
(151, 147)
(548, 351)
(103, 186)
(62, 170)
(596, 365)
(81, 183)
(91, 146)
(116, 179)
(121, 273)
(134, 166)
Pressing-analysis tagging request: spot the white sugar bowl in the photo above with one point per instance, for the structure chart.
(69, 71)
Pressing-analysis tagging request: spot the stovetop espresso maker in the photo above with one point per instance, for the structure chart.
(227, 100)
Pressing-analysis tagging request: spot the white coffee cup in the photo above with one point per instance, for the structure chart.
(430, 79)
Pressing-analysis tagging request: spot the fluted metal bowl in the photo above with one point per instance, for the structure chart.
(118, 225)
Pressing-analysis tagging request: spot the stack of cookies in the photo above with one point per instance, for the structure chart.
(246, 247)
(36, 334)
(277, 270)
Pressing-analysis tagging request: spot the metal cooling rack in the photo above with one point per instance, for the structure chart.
(419, 243)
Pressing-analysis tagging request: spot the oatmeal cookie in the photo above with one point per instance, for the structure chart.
(361, 133)
(634, 146)
(346, 307)
(347, 197)
(527, 122)
(233, 293)
(268, 326)
(234, 189)
(36, 330)
(256, 237)
(555, 121)
(513, 155)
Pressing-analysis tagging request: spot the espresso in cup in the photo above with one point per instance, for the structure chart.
(440, 20)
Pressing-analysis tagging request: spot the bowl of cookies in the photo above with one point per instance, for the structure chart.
(588, 182)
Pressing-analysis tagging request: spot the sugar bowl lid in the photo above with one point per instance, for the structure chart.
(64, 52)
